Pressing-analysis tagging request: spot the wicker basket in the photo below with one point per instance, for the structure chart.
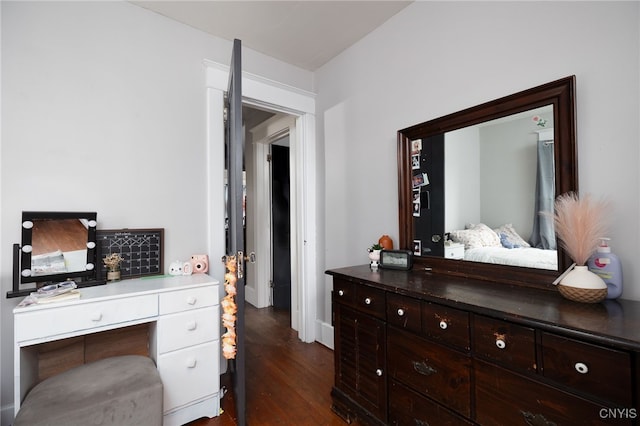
(584, 295)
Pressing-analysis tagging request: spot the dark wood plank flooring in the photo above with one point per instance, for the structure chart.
(288, 381)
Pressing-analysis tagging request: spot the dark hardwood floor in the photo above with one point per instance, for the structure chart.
(288, 381)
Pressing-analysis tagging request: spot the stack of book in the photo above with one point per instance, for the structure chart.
(52, 293)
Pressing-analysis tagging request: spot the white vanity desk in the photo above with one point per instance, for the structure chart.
(184, 317)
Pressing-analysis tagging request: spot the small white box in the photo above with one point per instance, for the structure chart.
(454, 250)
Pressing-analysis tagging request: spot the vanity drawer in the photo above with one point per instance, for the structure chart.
(441, 373)
(597, 370)
(371, 301)
(77, 319)
(191, 298)
(188, 328)
(404, 312)
(189, 374)
(445, 324)
(344, 291)
(407, 407)
(505, 343)
(506, 398)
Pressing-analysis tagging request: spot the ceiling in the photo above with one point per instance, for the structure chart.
(306, 34)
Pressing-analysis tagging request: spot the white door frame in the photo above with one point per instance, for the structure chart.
(275, 96)
(258, 290)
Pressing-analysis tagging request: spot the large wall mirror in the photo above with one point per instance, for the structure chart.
(472, 185)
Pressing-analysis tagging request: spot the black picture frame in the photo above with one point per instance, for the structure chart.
(396, 259)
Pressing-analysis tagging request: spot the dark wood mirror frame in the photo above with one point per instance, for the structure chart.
(560, 94)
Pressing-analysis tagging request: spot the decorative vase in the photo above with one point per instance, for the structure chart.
(582, 285)
(386, 242)
(113, 275)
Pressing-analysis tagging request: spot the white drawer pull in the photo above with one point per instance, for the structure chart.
(96, 316)
(501, 344)
(443, 325)
(581, 368)
(191, 362)
(400, 312)
(367, 301)
(191, 300)
(379, 372)
(192, 325)
(340, 292)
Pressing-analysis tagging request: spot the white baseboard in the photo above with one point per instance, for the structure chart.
(6, 415)
(324, 333)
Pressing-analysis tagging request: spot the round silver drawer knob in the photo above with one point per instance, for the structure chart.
(379, 372)
(443, 325)
(340, 292)
(581, 368)
(501, 344)
(367, 301)
(400, 312)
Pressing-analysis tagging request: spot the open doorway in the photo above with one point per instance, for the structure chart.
(280, 224)
(299, 107)
(271, 233)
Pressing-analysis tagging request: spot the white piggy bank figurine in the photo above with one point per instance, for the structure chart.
(175, 268)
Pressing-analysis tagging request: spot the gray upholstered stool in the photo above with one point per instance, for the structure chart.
(118, 391)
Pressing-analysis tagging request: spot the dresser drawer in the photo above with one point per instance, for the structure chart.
(189, 374)
(506, 398)
(445, 324)
(505, 343)
(407, 407)
(600, 371)
(191, 298)
(344, 291)
(404, 312)
(438, 372)
(78, 319)
(176, 331)
(371, 301)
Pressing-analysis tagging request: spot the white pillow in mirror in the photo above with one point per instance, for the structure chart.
(476, 236)
(512, 235)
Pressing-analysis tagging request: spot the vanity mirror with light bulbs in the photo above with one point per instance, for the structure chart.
(55, 246)
(491, 167)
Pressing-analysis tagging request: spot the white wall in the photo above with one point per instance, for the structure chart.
(462, 189)
(104, 109)
(508, 175)
(434, 58)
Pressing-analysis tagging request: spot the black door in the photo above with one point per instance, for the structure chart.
(428, 192)
(234, 161)
(281, 226)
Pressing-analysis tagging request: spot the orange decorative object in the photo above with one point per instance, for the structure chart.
(386, 242)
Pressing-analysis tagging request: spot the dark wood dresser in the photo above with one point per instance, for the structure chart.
(418, 348)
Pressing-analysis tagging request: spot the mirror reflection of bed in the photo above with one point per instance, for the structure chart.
(499, 175)
(494, 184)
(59, 246)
